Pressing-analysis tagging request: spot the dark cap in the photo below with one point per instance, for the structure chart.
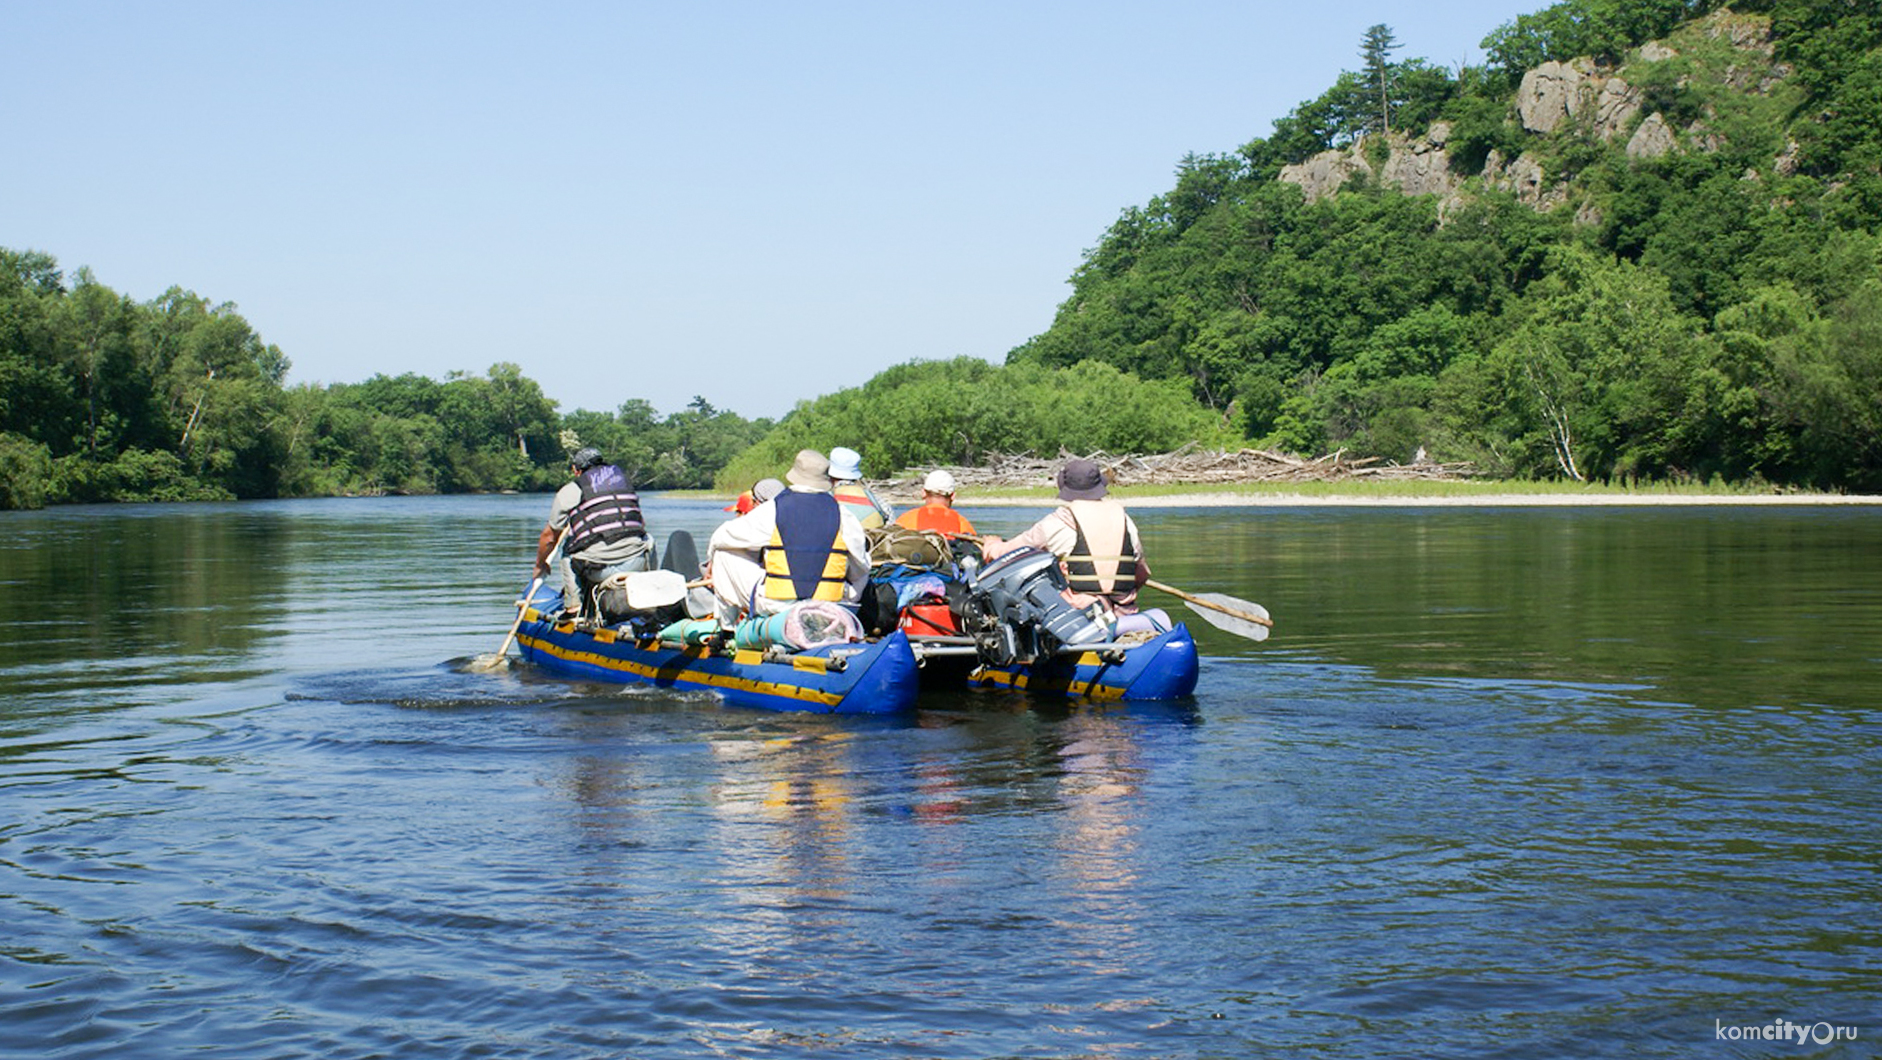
(1081, 480)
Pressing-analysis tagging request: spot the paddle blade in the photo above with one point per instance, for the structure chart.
(500, 659)
(1221, 615)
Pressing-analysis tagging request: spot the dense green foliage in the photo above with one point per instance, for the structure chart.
(1706, 313)
(1600, 29)
(1712, 310)
(686, 450)
(957, 412)
(106, 399)
(103, 398)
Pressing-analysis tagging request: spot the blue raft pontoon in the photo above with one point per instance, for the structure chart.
(1164, 667)
(873, 677)
(1013, 629)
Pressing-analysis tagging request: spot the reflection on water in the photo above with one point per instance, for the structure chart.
(1735, 605)
(1518, 782)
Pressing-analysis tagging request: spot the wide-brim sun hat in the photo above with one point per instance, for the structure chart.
(845, 463)
(938, 481)
(1081, 480)
(811, 470)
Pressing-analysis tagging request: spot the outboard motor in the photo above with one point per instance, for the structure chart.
(1015, 611)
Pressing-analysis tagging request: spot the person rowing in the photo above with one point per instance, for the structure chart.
(595, 529)
(1094, 538)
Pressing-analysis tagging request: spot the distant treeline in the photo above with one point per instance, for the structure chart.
(106, 399)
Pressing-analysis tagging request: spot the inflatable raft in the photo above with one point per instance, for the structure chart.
(870, 677)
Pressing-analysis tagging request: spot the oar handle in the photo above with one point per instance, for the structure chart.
(1191, 598)
(1198, 601)
(522, 608)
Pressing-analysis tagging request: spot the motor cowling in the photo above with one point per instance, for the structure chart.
(1016, 611)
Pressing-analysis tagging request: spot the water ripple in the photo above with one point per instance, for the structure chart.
(296, 824)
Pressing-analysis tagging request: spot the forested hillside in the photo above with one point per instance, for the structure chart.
(1641, 241)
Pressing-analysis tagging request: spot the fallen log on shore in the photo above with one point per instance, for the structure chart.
(1185, 466)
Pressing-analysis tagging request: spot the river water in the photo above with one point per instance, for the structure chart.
(1505, 782)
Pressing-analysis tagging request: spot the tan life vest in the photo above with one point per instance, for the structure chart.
(1103, 561)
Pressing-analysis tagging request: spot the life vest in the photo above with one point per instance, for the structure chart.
(608, 511)
(806, 559)
(937, 517)
(855, 496)
(1103, 561)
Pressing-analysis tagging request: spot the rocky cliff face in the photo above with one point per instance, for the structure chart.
(1555, 94)
(1555, 99)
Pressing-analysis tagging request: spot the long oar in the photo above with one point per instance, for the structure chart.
(486, 663)
(1231, 614)
(501, 658)
(1244, 618)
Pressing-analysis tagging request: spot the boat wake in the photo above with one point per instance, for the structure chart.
(457, 685)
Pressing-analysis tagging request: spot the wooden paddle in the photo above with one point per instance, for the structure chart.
(1230, 614)
(1244, 618)
(487, 663)
(501, 658)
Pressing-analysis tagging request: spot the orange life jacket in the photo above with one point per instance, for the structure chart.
(936, 517)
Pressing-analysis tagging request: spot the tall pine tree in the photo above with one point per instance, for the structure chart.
(1376, 49)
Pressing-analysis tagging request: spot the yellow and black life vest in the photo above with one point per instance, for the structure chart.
(806, 559)
(1104, 559)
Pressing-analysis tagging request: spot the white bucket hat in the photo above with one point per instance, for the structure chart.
(938, 481)
(845, 463)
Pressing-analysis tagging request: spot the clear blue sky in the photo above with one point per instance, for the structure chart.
(753, 202)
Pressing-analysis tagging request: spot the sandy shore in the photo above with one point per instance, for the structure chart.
(1488, 500)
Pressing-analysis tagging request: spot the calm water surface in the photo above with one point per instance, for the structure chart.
(1506, 782)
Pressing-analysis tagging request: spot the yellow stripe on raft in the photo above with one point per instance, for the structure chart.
(698, 677)
(1019, 681)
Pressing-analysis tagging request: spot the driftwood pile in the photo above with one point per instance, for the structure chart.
(1187, 465)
